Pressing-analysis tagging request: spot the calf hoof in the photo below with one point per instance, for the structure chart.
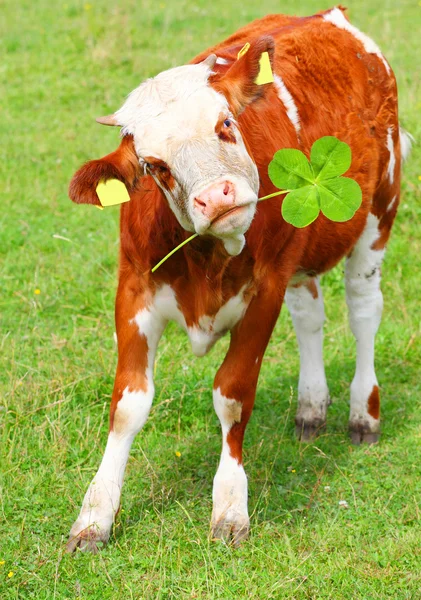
(361, 437)
(231, 531)
(84, 544)
(364, 433)
(306, 431)
(90, 539)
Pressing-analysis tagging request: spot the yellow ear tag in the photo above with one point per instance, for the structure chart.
(265, 74)
(112, 192)
(243, 50)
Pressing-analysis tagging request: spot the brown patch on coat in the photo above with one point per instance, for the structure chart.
(159, 169)
(385, 226)
(373, 403)
(235, 441)
(312, 288)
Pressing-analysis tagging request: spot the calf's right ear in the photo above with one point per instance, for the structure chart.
(240, 84)
(121, 164)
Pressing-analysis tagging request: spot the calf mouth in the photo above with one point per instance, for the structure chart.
(235, 220)
(228, 212)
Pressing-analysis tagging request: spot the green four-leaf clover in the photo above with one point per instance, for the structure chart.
(316, 185)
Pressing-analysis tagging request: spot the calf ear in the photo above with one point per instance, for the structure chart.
(239, 83)
(121, 164)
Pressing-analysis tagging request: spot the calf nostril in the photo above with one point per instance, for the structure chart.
(226, 189)
(200, 202)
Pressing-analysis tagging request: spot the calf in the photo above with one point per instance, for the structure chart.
(196, 144)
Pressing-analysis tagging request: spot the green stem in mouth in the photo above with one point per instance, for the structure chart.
(174, 251)
(196, 234)
(273, 195)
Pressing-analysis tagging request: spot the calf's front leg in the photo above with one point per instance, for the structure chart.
(233, 397)
(138, 333)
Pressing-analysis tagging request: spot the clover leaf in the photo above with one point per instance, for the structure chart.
(290, 169)
(315, 185)
(330, 157)
(302, 206)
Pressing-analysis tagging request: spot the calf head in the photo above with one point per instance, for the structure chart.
(181, 128)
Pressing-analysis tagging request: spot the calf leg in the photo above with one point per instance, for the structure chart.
(138, 332)
(230, 513)
(233, 396)
(305, 303)
(365, 304)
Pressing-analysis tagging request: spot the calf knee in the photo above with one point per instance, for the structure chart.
(228, 410)
(131, 411)
(305, 305)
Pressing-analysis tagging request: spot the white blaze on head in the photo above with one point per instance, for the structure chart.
(173, 119)
(165, 110)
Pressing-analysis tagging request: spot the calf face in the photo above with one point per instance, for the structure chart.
(185, 134)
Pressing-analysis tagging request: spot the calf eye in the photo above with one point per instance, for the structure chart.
(227, 123)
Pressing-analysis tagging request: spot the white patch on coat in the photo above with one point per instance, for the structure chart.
(406, 140)
(209, 328)
(133, 410)
(365, 304)
(102, 499)
(392, 159)
(391, 204)
(298, 278)
(288, 101)
(308, 317)
(230, 482)
(151, 324)
(227, 410)
(221, 61)
(337, 18)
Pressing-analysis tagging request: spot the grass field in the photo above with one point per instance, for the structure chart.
(64, 64)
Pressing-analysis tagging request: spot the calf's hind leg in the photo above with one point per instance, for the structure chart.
(305, 304)
(365, 304)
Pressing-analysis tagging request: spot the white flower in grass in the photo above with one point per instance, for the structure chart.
(343, 504)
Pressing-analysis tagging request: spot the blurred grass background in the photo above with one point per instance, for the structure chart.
(63, 65)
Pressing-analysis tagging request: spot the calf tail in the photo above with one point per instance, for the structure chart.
(406, 140)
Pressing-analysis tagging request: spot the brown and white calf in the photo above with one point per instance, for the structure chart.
(196, 144)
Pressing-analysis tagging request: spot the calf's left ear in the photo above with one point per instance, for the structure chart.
(121, 164)
(240, 84)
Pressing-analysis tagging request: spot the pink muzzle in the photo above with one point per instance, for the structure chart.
(216, 200)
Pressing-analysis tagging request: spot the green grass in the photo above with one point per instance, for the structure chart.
(65, 64)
